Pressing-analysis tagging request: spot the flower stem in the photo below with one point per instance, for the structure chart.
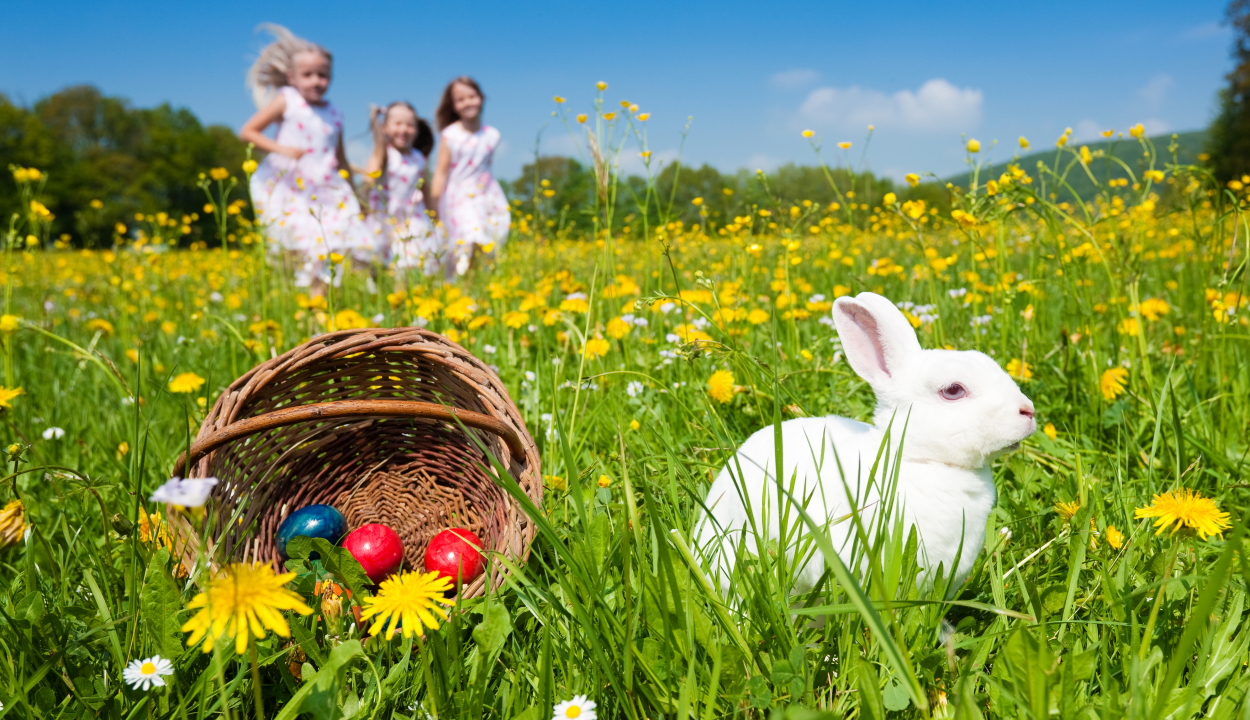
(260, 701)
(1154, 611)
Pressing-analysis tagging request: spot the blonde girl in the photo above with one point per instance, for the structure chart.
(471, 205)
(398, 177)
(302, 191)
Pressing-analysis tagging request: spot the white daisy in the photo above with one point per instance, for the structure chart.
(188, 492)
(143, 674)
(579, 707)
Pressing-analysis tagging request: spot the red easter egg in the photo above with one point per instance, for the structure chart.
(377, 548)
(453, 553)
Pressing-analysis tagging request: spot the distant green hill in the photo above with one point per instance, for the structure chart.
(1190, 144)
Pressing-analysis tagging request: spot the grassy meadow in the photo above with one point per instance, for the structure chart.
(641, 355)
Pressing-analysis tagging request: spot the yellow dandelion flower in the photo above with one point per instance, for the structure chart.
(974, 146)
(12, 523)
(1019, 370)
(186, 383)
(721, 386)
(409, 600)
(1115, 538)
(618, 328)
(844, 145)
(604, 481)
(9, 323)
(808, 133)
(1024, 143)
(1050, 431)
(249, 166)
(559, 100)
(242, 601)
(1185, 509)
(219, 173)
(601, 86)
(581, 118)
(912, 179)
(757, 316)
(1067, 510)
(596, 348)
(1112, 383)
(634, 424)
(7, 395)
(644, 116)
(515, 319)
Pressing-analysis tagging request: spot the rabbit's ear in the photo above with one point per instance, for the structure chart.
(878, 341)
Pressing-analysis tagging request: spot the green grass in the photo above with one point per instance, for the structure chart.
(1189, 145)
(614, 602)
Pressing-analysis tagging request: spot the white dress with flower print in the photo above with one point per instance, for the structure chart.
(397, 219)
(306, 206)
(473, 208)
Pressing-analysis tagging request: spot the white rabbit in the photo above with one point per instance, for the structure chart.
(960, 411)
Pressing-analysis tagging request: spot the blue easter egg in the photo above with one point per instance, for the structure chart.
(314, 521)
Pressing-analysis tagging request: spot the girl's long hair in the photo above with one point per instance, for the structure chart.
(424, 140)
(446, 113)
(276, 61)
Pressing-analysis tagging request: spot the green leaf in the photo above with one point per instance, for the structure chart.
(337, 561)
(319, 695)
(760, 694)
(895, 696)
(495, 627)
(160, 603)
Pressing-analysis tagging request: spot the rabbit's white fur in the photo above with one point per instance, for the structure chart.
(945, 487)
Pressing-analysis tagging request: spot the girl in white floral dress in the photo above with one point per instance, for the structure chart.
(398, 172)
(471, 204)
(301, 191)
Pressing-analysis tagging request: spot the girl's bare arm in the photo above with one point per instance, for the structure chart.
(377, 159)
(254, 129)
(439, 185)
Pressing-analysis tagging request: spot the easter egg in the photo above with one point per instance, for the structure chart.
(314, 521)
(454, 553)
(377, 548)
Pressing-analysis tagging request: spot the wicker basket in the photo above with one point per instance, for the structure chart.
(372, 422)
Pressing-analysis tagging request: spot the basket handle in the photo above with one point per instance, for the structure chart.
(347, 409)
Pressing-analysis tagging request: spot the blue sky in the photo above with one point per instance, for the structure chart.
(752, 75)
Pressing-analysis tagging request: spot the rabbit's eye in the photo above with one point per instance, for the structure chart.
(954, 391)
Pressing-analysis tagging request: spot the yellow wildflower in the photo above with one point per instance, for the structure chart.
(596, 348)
(1115, 538)
(720, 386)
(243, 601)
(1019, 370)
(1112, 383)
(1185, 509)
(408, 600)
(1067, 510)
(185, 383)
(12, 523)
(7, 395)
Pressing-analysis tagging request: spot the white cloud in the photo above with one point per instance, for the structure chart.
(794, 78)
(937, 106)
(1156, 89)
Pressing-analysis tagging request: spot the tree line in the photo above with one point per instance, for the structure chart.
(104, 161)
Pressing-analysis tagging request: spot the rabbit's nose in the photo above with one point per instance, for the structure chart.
(1027, 410)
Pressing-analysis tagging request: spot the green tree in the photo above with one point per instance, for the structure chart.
(1230, 131)
(133, 160)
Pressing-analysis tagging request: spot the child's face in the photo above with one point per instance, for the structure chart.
(311, 76)
(401, 127)
(466, 100)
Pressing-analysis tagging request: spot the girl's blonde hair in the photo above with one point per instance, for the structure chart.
(276, 61)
